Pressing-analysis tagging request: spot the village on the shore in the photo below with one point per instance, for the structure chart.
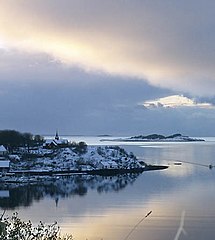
(25, 154)
(60, 156)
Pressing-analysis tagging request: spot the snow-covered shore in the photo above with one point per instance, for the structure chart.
(67, 159)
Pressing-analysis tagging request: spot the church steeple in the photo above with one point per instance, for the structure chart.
(56, 136)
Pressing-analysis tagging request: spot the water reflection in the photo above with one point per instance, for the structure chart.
(98, 208)
(183, 159)
(13, 195)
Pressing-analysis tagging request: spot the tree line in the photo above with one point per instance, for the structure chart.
(13, 139)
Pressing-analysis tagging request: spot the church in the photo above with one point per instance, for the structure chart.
(57, 142)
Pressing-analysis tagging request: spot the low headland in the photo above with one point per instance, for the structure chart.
(157, 138)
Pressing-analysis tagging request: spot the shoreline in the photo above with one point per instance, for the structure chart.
(104, 172)
(152, 140)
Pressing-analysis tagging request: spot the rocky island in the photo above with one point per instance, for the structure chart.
(157, 138)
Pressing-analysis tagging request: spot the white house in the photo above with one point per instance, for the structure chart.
(4, 165)
(103, 165)
(107, 165)
(3, 150)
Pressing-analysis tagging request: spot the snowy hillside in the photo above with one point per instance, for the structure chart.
(69, 159)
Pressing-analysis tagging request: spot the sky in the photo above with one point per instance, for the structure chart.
(116, 67)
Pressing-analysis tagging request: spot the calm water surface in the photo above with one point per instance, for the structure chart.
(96, 208)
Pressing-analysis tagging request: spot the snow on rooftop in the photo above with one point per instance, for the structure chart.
(4, 164)
(2, 149)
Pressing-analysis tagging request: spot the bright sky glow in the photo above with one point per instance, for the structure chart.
(2, 44)
(128, 38)
(175, 101)
(86, 60)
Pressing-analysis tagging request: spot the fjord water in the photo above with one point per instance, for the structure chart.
(181, 197)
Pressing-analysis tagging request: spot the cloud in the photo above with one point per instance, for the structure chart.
(169, 43)
(176, 101)
(75, 102)
(45, 95)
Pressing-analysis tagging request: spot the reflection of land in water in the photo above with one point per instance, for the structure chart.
(62, 187)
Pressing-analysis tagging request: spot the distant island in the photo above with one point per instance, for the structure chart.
(157, 138)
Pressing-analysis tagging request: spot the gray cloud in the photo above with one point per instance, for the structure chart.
(76, 102)
(41, 95)
(84, 66)
(169, 43)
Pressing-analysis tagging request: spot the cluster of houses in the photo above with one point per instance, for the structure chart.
(49, 144)
(96, 157)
